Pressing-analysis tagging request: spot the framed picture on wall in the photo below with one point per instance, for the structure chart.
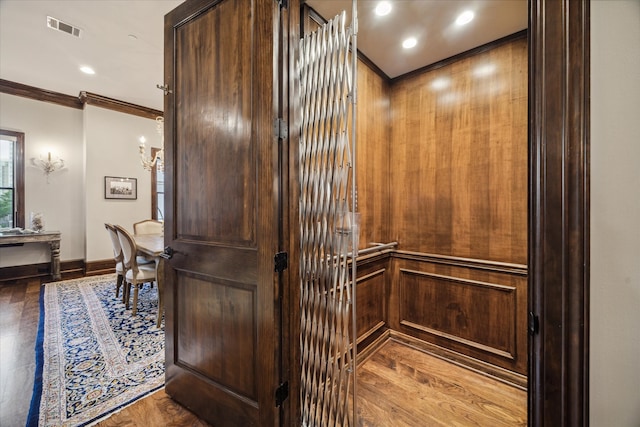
(120, 188)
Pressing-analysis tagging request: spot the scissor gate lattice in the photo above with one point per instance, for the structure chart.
(326, 84)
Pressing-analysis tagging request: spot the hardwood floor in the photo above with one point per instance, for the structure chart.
(19, 314)
(398, 385)
(155, 410)
(401, 386)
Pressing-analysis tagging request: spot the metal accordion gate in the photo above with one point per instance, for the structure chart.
(327, 68)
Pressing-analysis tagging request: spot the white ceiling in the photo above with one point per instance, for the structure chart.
(432, 23)
(126, 69)
(129, 70)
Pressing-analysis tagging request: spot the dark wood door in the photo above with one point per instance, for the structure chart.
(223, 324)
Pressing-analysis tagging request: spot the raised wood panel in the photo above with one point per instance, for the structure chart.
(470, 309)
(371, 302)
(459, 156)
(225, 316)
(372, 159)
(223, 147)
(477, 314)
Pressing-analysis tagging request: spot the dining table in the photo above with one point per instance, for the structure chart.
(152, 246)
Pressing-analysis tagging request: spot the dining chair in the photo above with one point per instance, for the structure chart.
(136, 274)
(117, 256)
(148, 226)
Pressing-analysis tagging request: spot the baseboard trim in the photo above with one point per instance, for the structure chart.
(98, 267)
(42, 271)
(371, 348)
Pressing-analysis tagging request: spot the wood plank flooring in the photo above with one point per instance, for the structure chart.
(19, 316)
(398, 385)
(402, 386)
(155, 410)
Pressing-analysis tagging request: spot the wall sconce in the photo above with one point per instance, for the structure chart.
(48, 165)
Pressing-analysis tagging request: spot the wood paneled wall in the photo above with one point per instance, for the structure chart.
(373, 166)
(459, 206)
(442, 168)
(459, 158)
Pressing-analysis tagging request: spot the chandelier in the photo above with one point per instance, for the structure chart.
(158, 159)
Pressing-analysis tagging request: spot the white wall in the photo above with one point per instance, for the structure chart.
(615, 214)
(112, 150)
(48, 127)
(94, 143)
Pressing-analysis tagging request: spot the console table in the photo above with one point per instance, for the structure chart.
(51, 237)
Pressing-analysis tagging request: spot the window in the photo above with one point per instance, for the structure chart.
(11, 179)
(157, 190)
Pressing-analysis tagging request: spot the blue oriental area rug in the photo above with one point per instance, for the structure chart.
(92, 357)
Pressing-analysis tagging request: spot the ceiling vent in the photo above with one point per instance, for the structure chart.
(56, 24)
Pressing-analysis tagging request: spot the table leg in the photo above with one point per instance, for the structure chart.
(55, 259)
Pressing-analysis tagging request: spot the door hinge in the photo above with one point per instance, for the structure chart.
(280, 128)
(280, 262)
(284, 4)
(534, 323)
(282, 392)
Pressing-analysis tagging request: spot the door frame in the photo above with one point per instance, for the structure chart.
(558, 231)
(559, 132)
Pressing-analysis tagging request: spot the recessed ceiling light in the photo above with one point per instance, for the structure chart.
(465, 17)
(87, 70)
(383, 8)
(409, 43)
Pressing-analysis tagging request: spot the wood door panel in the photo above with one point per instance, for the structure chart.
(223, 319)
(210, 401)
(218, 97)
(226, 316)
(225, 263)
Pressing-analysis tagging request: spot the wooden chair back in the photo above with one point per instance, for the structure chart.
(148, 226)
(129, 249)
(115, 242)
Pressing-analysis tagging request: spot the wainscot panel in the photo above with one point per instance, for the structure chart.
(478, 314)
(470, 309)
(372, 297)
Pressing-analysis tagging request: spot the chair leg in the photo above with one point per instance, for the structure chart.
(126, 291)
(119, 281)
(134, 310)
